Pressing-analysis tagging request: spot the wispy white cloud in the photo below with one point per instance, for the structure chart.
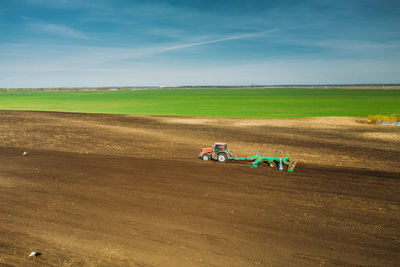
(166, 48)
(234, 37)
(67, 56)
(57, 29)
(60, 4)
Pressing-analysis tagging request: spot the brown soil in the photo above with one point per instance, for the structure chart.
(118, 190)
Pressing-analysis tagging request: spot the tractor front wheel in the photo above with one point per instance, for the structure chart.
(222, 157)
(206, 157)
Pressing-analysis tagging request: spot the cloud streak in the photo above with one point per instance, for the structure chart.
(58, 4)
(159, 50)
(57, 29)
(234, 37)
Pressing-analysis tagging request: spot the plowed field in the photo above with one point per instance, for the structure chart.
(122, 190)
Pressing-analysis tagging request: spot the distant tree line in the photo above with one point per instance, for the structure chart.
(82, 89)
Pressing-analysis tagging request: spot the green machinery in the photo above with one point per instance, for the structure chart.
(280, 162)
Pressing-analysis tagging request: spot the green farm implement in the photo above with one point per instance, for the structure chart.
(282, 163)
(221, 153)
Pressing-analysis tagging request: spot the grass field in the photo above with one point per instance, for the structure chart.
(240, 103)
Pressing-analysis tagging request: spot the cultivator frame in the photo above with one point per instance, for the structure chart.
(269, 161)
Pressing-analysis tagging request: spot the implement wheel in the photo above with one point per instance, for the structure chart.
(291, 166)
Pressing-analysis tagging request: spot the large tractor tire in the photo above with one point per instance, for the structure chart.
(222, 157)
(206, 156)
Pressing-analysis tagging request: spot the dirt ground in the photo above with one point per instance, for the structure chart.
(122, 190)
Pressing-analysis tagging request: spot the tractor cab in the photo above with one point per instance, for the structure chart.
(220, 147)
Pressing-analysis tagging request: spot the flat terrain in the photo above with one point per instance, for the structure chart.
(214, 102)
(123, 190)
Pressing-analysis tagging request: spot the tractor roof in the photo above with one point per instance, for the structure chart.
(220, 144)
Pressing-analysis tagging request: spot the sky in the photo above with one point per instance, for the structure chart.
(94, 43)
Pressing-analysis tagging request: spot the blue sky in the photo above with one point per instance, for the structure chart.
(74, 43)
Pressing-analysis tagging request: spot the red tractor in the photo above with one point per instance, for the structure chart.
(219, 152)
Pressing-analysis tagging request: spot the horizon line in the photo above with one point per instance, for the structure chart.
(213, 85)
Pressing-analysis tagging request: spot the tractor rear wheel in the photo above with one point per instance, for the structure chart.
(222, 157)
(206, 156)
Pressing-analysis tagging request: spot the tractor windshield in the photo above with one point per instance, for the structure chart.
(220, 148)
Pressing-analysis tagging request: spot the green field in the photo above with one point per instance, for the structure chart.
(240, 103)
